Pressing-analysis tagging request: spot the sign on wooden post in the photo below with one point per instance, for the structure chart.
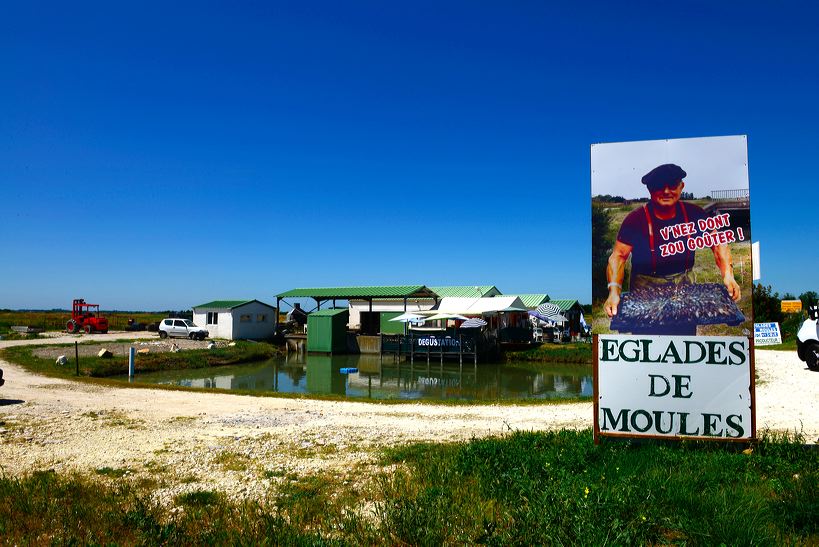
(672, 317)
(791, 306)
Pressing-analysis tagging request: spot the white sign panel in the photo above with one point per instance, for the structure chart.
(674, 386)
(755, 270)
(767, 334)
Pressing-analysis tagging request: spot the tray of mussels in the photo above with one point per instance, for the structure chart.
(666, 306)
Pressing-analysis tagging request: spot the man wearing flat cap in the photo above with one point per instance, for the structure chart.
(640, 238)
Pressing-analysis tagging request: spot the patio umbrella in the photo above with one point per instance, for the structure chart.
(409, 317)
(556, 318)
(546, 309)
(536, 315)
(473, 323)
(539, 320)
(445, 316)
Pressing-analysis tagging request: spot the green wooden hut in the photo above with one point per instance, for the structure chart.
(327, 330)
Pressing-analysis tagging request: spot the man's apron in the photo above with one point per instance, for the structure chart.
(640, 282)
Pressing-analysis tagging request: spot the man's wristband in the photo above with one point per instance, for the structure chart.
(613, 284)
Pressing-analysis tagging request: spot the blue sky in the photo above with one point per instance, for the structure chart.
(159, 155)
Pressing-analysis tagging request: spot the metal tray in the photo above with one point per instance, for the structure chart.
(670, 306)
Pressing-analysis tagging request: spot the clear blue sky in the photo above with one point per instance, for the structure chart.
(159, 155)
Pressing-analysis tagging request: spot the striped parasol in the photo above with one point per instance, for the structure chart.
(473, 323)
(548, 309)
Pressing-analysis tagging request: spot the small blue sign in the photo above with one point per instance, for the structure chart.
(767, 334)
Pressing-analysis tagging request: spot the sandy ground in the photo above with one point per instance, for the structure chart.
(243, 445)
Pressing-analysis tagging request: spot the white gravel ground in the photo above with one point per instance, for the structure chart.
(243, 445)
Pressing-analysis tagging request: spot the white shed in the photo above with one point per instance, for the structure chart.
(236, 319)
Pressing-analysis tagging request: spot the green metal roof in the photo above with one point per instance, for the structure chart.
(329, 312)
(223, 304)
(564, 305)
(346, 293)
(230, 304)
(532, 300)
(473, 291)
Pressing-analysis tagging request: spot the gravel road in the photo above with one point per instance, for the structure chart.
(244, 445)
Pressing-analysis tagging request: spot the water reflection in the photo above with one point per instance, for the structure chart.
(391, 379)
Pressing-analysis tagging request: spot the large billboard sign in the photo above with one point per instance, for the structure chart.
(671, 288)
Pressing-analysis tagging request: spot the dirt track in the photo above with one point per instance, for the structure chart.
(243, 444)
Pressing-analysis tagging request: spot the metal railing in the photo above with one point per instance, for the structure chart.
(726, 195)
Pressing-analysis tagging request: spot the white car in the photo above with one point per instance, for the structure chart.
(807, 339)
(181, 328)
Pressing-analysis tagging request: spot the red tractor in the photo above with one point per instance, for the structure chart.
(86, 317)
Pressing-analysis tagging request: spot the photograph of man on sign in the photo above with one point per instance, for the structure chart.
(640, 238)
(663, 255)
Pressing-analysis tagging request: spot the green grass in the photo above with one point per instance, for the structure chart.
(114, 473)
(521, 489)
(242, 352)
(554, 353)
(232, 461)
(14, 335)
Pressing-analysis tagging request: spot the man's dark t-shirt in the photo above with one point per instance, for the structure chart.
(634, 232)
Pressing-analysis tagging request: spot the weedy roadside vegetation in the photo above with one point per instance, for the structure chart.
(242, 352)
(524, 488)
(56, 319)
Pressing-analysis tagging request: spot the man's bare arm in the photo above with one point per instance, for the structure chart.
(615, 272)
(722, 256)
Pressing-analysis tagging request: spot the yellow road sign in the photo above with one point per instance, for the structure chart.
(791, 306)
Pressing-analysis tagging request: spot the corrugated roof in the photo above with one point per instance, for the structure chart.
(470, 291)
(532, 300)
(479, 306)
(346, 293)
(223, 304)
(564, 304)
(329, 312)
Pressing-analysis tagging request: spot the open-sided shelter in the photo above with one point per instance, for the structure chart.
(367, 304)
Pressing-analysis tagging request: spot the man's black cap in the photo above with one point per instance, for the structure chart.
(666, 174)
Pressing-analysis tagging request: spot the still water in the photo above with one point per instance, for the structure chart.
(388, 379)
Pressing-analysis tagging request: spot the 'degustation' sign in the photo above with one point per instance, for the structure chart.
(672, 386)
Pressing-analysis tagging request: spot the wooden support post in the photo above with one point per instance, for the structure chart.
(77, 357)
(595, 391)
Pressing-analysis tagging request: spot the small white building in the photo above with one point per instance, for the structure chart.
(236, 319)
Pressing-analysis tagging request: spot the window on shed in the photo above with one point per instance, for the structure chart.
(213, 318)
(244, 318)
(261, 318)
